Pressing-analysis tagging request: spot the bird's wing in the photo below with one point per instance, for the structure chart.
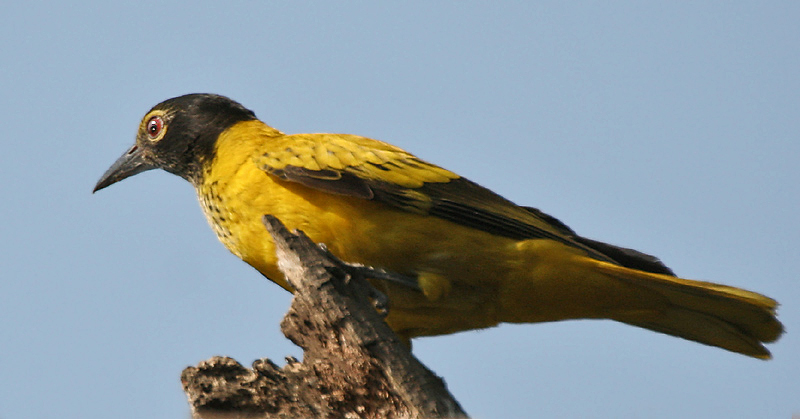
(373, 170)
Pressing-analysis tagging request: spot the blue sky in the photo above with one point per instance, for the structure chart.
(663, 126)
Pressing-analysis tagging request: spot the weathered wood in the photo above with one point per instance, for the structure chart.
(353, 365)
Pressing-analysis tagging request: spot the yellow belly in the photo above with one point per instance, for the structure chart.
(460, 287)
(469, 278)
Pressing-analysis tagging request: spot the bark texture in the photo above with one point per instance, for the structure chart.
(353, 365)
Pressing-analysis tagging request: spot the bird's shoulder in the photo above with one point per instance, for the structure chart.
(331, 156)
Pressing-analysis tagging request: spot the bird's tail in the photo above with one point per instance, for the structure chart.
(713, 314)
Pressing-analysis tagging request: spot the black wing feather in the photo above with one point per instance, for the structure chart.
(469, 204)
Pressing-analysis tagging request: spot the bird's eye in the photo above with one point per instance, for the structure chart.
(155, 126)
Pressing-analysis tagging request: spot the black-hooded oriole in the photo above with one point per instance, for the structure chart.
(477, 258)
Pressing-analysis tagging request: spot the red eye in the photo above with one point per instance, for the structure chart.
(154, 127)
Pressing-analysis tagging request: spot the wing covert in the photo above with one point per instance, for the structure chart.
(373, 170)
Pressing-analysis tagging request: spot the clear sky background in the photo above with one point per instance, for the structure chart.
(662, 126)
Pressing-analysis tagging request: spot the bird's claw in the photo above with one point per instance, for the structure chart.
(379, 299)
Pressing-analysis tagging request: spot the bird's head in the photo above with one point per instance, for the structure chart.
(177, 135)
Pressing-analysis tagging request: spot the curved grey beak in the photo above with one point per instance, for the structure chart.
(129, 164)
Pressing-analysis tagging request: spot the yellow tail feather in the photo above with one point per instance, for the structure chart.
(713, 314)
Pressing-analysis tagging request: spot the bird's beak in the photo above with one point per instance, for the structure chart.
(129, 164)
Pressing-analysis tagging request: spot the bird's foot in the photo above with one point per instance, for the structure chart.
(379, 299)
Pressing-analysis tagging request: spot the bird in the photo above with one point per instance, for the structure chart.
(474, 258)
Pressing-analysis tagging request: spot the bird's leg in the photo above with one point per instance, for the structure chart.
(380, 299)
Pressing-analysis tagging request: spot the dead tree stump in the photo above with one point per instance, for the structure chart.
(353, 365)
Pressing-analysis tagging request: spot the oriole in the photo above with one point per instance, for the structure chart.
(477, 258)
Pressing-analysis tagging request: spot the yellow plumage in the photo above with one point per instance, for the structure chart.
(478, 258)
